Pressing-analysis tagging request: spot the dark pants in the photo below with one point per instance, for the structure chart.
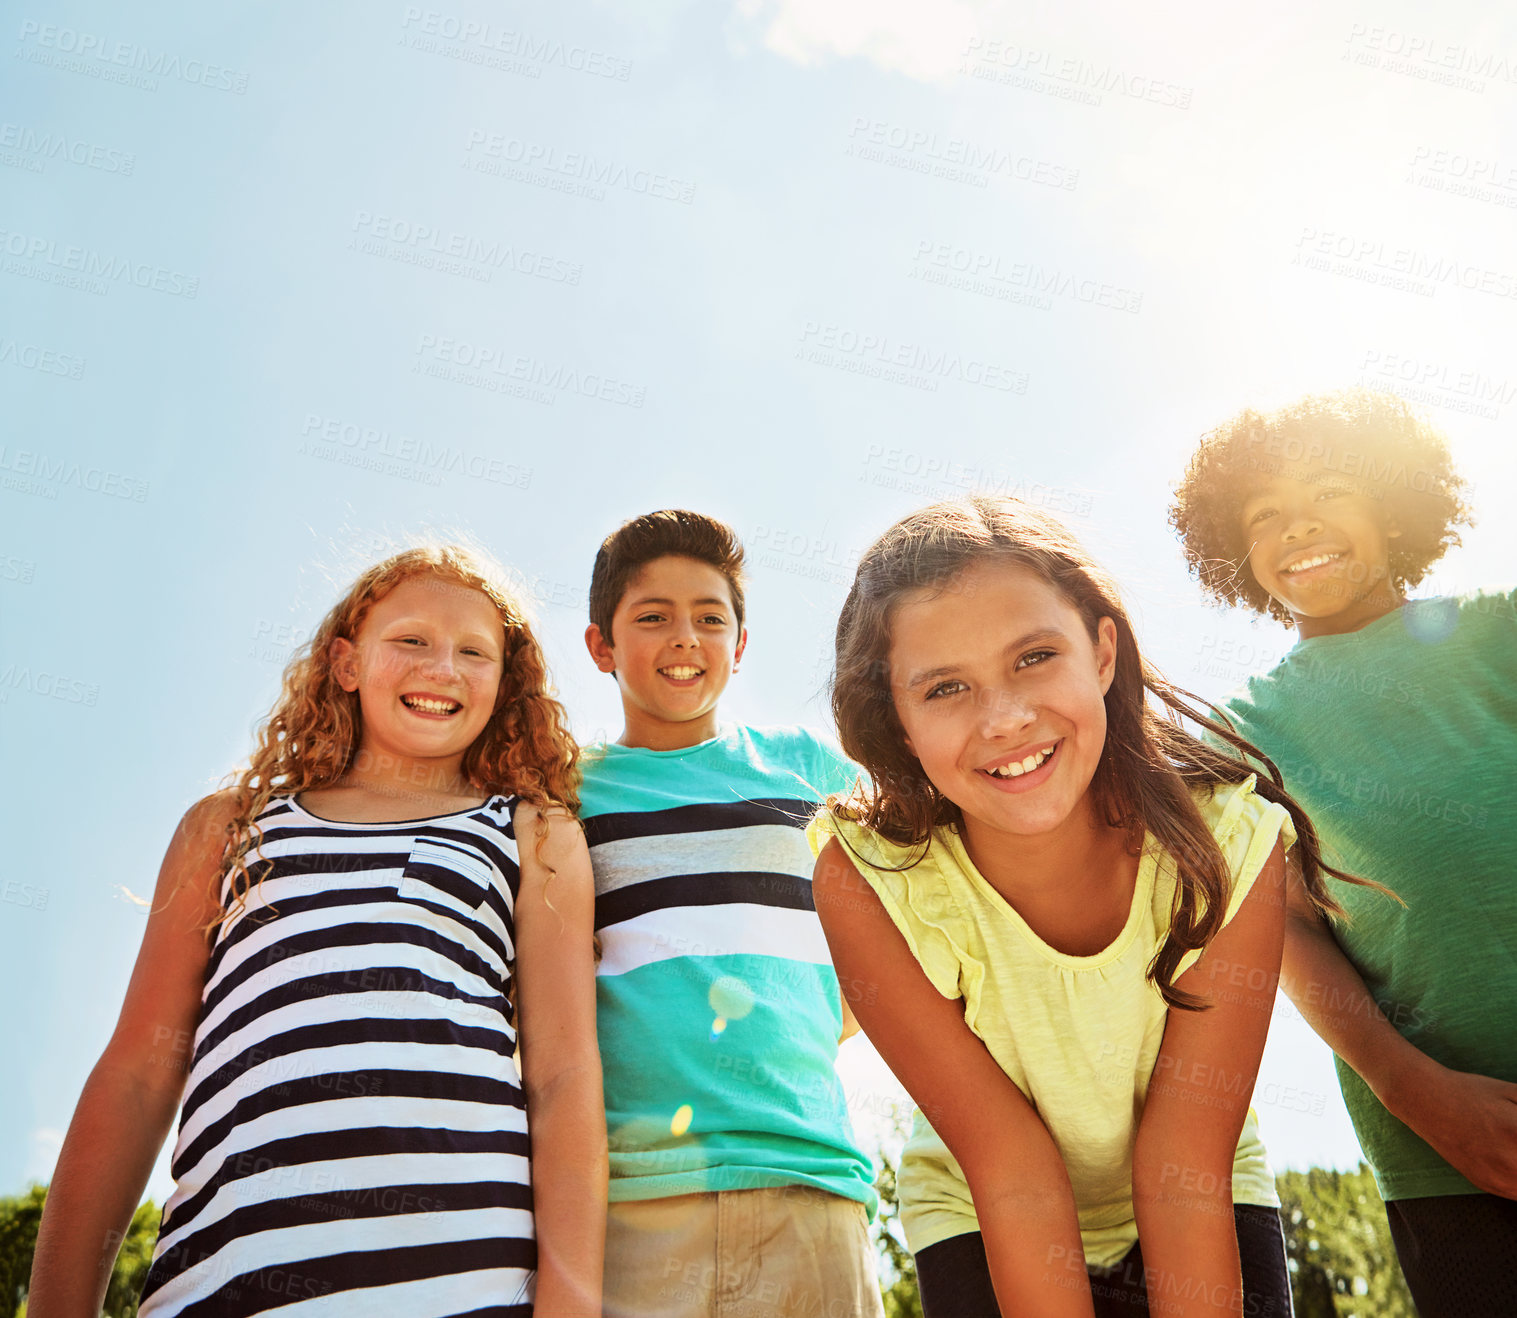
(954, 1277)
(1456, 1251)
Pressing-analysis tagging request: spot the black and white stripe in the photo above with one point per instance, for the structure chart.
(657, 897)
(354, 1136)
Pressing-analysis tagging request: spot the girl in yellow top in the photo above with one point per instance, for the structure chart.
(1058, 916)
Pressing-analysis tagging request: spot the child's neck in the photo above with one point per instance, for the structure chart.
(657, 735)
(1359, 614)
(1073, 886)
(380, 786)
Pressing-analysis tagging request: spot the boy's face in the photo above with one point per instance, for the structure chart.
(676, 644)
(1321, 548)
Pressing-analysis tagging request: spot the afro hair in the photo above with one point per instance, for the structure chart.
(1373, 439)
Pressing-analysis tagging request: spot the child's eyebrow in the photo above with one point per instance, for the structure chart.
(469, 638)
(922, 676)
(702, 603)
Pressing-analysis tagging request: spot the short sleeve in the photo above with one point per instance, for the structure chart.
(917, 900)
(1246, 828)
(832, 771)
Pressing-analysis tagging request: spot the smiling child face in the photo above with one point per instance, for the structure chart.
(675, 641)
(426, 664)
(1321, 548)
(1000, 690)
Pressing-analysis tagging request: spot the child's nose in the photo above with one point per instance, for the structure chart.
(1004, 711)
(1302, 525)
(440, 664)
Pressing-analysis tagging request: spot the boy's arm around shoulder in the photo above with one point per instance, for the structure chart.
(1018, 1180)
(561, 1071)
(1470, 1120)
(127, 1107)
(1198, 1098)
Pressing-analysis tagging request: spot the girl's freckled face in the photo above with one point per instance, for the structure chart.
(426, 664)
(1000, 688)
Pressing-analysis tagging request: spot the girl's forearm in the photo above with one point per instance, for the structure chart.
(1190, 1244)
(569, 1179)
(103, 1168)
(1032, 1240)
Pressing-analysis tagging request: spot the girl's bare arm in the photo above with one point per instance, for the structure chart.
(555, 977)
(128, 1104)
(1198, 1098)
(1018, 1180)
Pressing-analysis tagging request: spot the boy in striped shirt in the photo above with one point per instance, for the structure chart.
(736, 1180)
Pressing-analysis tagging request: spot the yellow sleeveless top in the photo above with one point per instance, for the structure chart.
(1078, 1035)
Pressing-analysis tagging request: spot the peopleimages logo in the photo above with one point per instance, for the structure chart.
(102, 57)
(433, 247)
(955, 266)
(39, 146)
(579, 172)
(879, 355)
(957, 159)
(47, 256)
(471, 41)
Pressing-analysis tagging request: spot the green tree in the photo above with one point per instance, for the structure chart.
(1338, 1246)
(899, 1291)
(19, 1219)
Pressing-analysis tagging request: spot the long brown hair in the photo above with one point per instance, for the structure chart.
(312, 736)
(1148, 764)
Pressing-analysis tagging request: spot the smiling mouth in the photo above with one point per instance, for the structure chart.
(682, 672)
(1016, 768)
(428, 705)
(1315, 561)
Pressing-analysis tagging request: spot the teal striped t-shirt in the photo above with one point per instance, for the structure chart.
(718, 1009)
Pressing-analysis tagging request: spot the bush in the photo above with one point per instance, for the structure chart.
(19, 1219)
(1338, 1246)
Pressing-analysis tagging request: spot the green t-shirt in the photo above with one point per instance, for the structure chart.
(1400, 740)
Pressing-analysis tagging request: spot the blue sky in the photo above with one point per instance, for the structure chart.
(281, 286)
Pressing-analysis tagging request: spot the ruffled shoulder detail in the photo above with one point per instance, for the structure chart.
(1246, 827)
(920, 901)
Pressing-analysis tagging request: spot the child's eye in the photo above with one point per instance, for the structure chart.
(714, 620)
(1035, 657)
(1331, 493)
(952, 687)
(650, 617)
(1259, 515)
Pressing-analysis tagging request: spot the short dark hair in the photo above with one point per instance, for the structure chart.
(625, 552)
(1374, 439)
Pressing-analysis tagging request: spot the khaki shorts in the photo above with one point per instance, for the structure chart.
(767, 1253)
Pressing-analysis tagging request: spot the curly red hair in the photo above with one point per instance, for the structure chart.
(312, 735)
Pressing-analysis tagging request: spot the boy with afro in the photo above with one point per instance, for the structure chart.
(1394, 722)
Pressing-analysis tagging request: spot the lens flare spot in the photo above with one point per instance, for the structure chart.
(683, 1116)
(730, 998)
(718, 1025)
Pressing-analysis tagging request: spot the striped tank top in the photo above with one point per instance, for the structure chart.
(354, 1135)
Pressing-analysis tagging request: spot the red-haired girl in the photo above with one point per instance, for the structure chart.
(335, 951)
